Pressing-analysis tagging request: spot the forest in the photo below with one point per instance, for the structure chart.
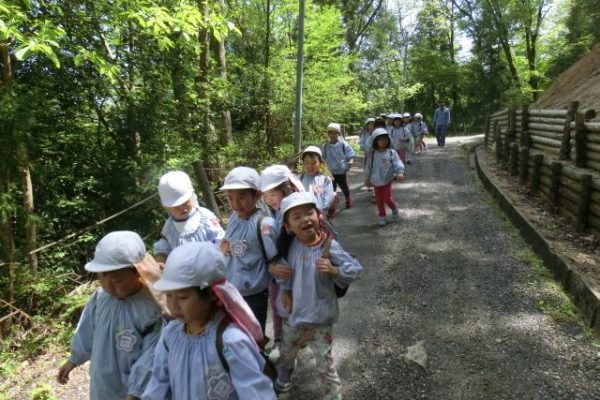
(99, 98)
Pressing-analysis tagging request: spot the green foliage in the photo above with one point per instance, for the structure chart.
(42, 392)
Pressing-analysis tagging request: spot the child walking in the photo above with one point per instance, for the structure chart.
(339, 157)
(403, 132)
(315, 182)
(189, 363)
(381, 169)
(315, 275)
(120, 324)
(419, 129)
(249, 240)
(187, 222)
(365, 133)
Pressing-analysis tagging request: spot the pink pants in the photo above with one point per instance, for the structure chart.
(402, 155)
(383, 196)
(277, 320)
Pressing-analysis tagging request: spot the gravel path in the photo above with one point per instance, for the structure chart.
(446, 275)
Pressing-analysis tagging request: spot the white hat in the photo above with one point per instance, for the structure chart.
(273, 176)
(406, 114)
(369, 120)
(391, 115)
(418, 115)
(334, 127)
(175, 188)
(117, 250)
(297, 199)
(383, 115)
(242, 178)
(378, 132)
(312, 149)
(193, 264)
(396, 116)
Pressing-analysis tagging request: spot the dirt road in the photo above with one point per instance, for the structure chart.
(449, 276)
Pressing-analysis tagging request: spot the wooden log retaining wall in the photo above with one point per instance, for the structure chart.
(555, 154)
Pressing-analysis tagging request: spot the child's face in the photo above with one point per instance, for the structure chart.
(273, 198)
(242, 201)
(188, 306)
(182, 211)
(333, 136)
(121, 283)
(371, 126)
(311, 163)
(303, 221)
(382, 142)
(406, 119)
(397, 123)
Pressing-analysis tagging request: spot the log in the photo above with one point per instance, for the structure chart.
(568, 211)
(595, 209)
(588, 114)
(534, 182)
(571, 195)
(556, 178)
(547, 113)
(592, 146)
(592, 155)
(580, 134)
(501, 112)
(546, 149)
(546, 134)
(523, 164)
(546, 127)
(584, 201)
(536, 139)
(570, 184)
(595, 165)
(592, 126)
(594, 223)
(546, 181)
(592, 137)
(514, 159)
(548, 121)
(595, 196)
(572, 173)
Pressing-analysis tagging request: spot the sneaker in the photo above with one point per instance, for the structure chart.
(348, 203)
(283, 382)
(396, 215)
(382, 221)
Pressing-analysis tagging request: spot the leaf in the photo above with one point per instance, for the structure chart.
(23, 53)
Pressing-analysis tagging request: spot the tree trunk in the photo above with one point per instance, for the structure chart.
(6, 65)
(203, 108)
(267, 80)
(7, 251)
(28, 206)
(225, 136)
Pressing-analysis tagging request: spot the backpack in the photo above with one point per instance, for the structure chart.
(269, 368)
(339, 291)
(345, 147)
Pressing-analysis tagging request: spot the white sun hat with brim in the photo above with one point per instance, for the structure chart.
(379, 132)
(406, 114)
(334, 127)
(397, 116)
(194, 264)
(175, 188)
(273, 176)
(370, 119)
(312, 149)
(242, 178)
(418, 115)
(117, 250)
(297, 199)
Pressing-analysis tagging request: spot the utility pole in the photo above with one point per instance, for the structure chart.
(299, 77)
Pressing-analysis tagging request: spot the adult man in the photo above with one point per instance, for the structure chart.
(441, 121)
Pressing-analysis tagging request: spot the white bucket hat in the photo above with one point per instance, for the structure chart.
(175, 188)
(297, 199)
(418, 115)
(334, 127)
(369, 120)
(197, 264)
(273, 176)
(379, 132)
(117, 250)
(406, 114)
(242, 178)
(312, 149)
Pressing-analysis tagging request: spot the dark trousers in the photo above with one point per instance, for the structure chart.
(259, 303)
(340, 179)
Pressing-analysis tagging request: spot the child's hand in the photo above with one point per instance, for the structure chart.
(400, 177)
(368, 183)
(64, 371)
(280, 271)
(325, 267)
(225, 247)
(287, 300)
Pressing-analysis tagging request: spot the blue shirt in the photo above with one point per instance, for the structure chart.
(188, 367)
(382, 167)
(118, 337)
(314, 297)
(246, 265)
(419, 129)
(441, 116)
(201, 226)
(337, 155)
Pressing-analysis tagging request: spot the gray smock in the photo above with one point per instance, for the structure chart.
(118, 337)
(419, 129)
(321, 187)
(188, 367)
(246, 265)
(315, 300)
(201, 226)
(337, 155)
(383, 166)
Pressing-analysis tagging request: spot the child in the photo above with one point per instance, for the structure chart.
(249, 240)
(120, 324)
(339, 157)
(419, 129)
(315, 182)
(381, 169)
(277, 182)
(404, 136)
(365, 133)
(315, 307)
(187, 222)
(188, 364)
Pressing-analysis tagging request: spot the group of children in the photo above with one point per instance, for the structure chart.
(208, 341)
